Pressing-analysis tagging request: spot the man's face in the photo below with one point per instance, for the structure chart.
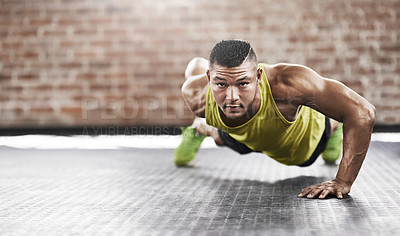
(234, 89)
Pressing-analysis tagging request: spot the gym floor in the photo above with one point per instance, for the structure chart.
(128, 190)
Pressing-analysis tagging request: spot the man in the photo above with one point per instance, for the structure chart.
(281, 110)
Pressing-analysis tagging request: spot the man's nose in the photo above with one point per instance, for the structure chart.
(232, 94)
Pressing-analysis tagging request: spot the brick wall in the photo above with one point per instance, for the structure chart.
(102, 62)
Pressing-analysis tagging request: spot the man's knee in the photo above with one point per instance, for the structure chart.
(196, 66)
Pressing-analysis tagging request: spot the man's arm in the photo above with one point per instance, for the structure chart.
(337, 101)
(194, 90)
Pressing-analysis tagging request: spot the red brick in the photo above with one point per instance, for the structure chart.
(17, 88)
(28, 76)
(145, 53)
(128, 20)
(118, 54)
(68, 44)
(104, 21)
(388, 83)
(392, 96)
(161, 86)
(348, 60)
(115, 32)
(316, 61)
(99, 65)
(145, 75)
(82, 98)
(84, 32)
(5, 77)
(126, 65)
(160, 64)
(104, 87)
(71, 110)
(10, 66)
(69, 87)
(18, 111)
(28, 55)
(364, 71)
(391, 48)
(41, 110)
(71, 65)
(54, 33)
(101, 43)
(392, 26)
(87, 11)
(381, 38)
(326, 50)
(69, 22)
(40, 22)
(86, 55)
(43, 88)
(87, 76)
(4, 56)
(12, 44)
(59, 11)
(120, 75)
(391, 119)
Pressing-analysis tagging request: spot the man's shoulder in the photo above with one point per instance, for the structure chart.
(285, 68)
(287, 73)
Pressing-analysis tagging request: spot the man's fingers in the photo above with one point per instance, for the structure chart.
(310, 191)
(314, 193)
(304, 192)
(324, 189)
(324, 193)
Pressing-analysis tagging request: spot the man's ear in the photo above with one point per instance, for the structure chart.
(208, 75)
(259, 74)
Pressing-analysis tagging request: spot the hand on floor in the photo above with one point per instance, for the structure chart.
(335, 187)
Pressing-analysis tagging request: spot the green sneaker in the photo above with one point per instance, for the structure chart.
(185, 153)
(334, 146)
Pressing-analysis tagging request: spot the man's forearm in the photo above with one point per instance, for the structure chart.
(356, 140)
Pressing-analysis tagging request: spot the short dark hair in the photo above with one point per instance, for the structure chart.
(232, 53)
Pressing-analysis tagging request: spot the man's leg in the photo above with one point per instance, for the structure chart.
(334, 145)
(185, 153)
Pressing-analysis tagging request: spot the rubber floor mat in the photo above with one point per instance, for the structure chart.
(140, 192)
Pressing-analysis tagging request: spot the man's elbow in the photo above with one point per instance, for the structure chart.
(363, 117)
(369, 115)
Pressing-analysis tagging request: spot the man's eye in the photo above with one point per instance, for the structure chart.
(220, 84)
(243, 84)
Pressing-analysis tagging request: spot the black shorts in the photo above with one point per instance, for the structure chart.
(243, 149)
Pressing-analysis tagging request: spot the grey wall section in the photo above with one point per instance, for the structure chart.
(107, 63)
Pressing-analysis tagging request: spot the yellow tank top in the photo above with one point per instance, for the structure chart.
(288, 142)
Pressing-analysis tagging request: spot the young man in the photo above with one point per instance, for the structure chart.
(281, 110)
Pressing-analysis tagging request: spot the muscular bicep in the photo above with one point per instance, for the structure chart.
(328, 96)
(337, 101)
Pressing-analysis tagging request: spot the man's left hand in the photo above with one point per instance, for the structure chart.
(335, 187)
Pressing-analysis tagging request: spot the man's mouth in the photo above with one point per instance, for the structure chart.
(233, 107)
